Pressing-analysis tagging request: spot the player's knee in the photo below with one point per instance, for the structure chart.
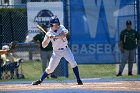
(49, 71)
(73, 65)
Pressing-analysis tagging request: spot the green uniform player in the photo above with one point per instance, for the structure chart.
(129, 40)
(45, 53)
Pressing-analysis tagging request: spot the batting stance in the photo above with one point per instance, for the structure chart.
(57, 35)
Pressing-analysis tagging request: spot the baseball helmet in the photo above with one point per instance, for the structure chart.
(5, 47)
(54, 20)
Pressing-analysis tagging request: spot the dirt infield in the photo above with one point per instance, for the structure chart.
(114, 86)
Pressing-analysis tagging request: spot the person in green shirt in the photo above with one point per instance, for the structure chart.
(129, 40)
(45, 53)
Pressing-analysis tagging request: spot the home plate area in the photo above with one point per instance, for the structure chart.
(66, 87)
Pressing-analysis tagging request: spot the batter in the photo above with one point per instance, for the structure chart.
(57, 35)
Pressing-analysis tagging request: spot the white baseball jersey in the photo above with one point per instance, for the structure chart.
(57, 42)
(60, 49)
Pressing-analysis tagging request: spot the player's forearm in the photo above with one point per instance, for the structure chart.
(45, 43)
(62, 35)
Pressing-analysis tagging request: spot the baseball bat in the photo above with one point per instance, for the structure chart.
(42, 28)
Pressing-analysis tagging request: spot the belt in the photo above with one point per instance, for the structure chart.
(62, 48)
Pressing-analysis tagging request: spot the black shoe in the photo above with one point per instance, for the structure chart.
(53, 76)
(130, 74)
(12, 78)
(119, 74)
(37, 82)
(79, 82)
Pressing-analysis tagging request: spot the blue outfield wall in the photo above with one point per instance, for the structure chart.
(95, 26)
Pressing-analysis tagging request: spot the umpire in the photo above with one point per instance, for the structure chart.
(129, 39)
(45, 53)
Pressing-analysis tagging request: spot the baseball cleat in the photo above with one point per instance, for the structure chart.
(80, 82)
(119, 74)
(130, 74)
(37, 82)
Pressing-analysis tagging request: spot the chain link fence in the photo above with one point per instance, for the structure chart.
(14, 27)
(13, 24)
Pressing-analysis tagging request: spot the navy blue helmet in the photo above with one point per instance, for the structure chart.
(54, 20)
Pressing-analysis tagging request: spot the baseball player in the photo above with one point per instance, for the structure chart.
(10, 63)
(57, 35)
(11, 48)
(129, 40)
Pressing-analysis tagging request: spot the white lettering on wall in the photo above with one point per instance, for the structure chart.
(91, 49)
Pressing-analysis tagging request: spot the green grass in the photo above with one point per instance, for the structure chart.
(94, 71)
(32, 71)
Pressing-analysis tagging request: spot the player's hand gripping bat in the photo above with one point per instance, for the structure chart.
(43, 28)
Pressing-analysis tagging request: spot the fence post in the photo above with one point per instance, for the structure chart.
(1, 36)
(138, 28)
(30, 55)
(0, 43)
(65, 9)
(11, 24)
